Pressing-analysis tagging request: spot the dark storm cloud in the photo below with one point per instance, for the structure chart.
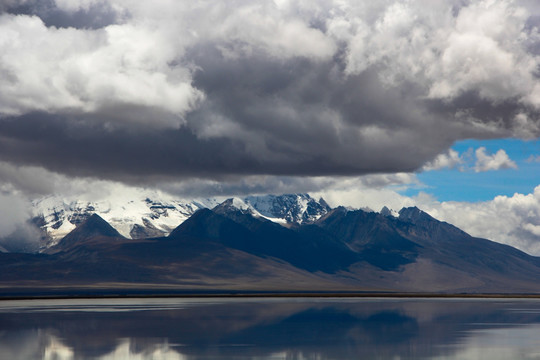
(82, 148)
(96, 16)
(211, 90)
(302, 109)
(471, 107)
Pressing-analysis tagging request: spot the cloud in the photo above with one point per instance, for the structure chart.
(10, 4)
(497, 161)
(92, 15)
(478, 160)
(449, 47)
(533, 159)
(14, 209)
(16, 233)
(77, 5)
(160, 91)
(91, 71)
(510, 220)
(482, 55)
(449, 160)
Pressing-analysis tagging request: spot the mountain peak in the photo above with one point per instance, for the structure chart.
(236, 204)
(414, 215)
(430, 228)
(98, 226)
(385, 211)
(93, 226)
(293, 208)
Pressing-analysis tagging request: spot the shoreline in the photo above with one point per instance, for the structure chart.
(255, 295)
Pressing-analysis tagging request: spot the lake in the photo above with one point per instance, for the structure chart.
(270, 328)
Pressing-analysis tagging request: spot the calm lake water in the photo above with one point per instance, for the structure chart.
(297, 328)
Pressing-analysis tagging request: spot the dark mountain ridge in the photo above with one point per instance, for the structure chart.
(265, 239)
(236, 248)
(93, 226)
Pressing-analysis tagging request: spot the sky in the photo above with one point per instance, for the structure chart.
(422, 103)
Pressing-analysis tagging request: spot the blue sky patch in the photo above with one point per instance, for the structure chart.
(463, 183)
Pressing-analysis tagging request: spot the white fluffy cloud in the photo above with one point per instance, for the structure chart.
(513, 220)
(497, 161)
(482, 161)
(80, 71)
(484, 52)
(449, 160)
(482, 49)
(135, 70)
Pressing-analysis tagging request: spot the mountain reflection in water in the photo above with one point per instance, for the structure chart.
(297, 328)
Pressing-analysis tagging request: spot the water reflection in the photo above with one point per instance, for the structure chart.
(270, 329)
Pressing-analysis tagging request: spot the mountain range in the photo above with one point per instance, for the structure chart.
(154, 214)
(306, 247)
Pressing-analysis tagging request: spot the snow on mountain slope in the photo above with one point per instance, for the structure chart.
(147, 214)
(385, 211)
(241, 205)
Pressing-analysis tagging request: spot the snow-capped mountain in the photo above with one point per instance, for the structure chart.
(146, 215)
(294, 208)
(151, 213)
